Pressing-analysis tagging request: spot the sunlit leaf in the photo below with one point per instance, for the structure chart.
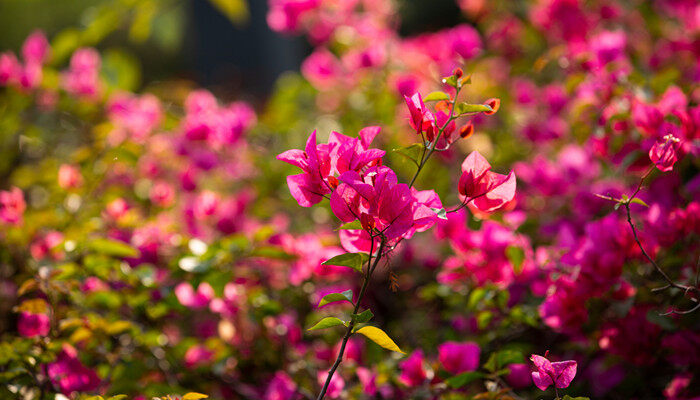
(235, 10)
(194, 396)
(436, 96)
(327, 322)
(112, 248)
(379, 337)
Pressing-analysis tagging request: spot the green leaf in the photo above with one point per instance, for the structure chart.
(117, 397)
(616, 206)
(350, 225)
(362, 317)
(516, 256)
(327, 322)
(437, 96)
(194, 396)
(272, 252)
(502, 358)
(113, 248)
(462, 379)
(333, 297)
(567, 397)
(412, 153)
(379, 337)
(466, 108)
(639, 201)
(441, 213)
(351, 260)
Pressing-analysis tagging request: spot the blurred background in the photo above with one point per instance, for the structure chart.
(225, 45)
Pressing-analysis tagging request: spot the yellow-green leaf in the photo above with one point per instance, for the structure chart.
(113, 248)
(194, 396)
(379, 337)
(327, 322)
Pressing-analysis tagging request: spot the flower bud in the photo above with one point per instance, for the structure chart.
(466, 130)
(458, 72)
(495, 104)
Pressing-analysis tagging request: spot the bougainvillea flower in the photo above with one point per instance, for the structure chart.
(281, 387)
(35, 48)
(421, 119)
(31, 325)
(459, 357)
(336, 386)
(69, 177)
(560, 374)
(389, 206)
(663, 153)
(69, 374)
(488, 191)
(196, 300)
(12, 206)
(321, 162)
(412, 371)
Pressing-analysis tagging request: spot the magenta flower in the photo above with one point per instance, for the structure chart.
(32, 325)
(198, 355)
(12, 206)
(35, 48)
(322, 162)
(421, 119)
(335, 388)
(9, 68)
(83, 76)
(380, 202)
(412, 371)
(195, 300)
(560, 374)
(488, 191)
(663, 153)
(69, 374)
(459, 357)
(281, 387)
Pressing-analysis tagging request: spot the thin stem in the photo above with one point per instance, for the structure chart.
(556, 392)
(424, 160)
(668, 280)
(351, 325)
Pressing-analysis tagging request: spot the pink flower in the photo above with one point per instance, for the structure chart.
(663, 153)
(488, 191)
(285, 15)
(162, 194)
(368, 380)
(12, 206)
(281, 387)
(336, 386)
(195, 300)
(83, 76)
(48, 245)
(9, 68)
(380, 202)
(322, 162)
(116, 209)
(421, 119)
(69, 374)
(322, 69)
(412, 372)
(459, 357)
(198, 355)
(69, 177)
(560, 374)
(35, 48)
(31, 325)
